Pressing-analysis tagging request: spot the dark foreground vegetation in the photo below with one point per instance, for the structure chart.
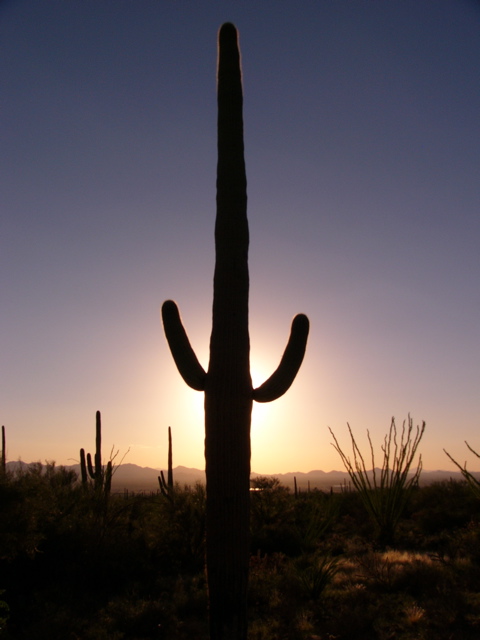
(78, 563)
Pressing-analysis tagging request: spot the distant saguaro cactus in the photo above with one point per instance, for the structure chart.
(227, 384)
(166, 486)
(3, 463)
(102, 478)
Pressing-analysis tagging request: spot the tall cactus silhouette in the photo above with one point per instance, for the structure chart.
(227, 383)
(101, 477)
(166, 486)
(3, 463)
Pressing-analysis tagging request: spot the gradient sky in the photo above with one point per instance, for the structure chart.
(362, 134)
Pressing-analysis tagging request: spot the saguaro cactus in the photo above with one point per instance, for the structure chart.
(166, 486)
(102, 478)
(3, 463)
(227, 383)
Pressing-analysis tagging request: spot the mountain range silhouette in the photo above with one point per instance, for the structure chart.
(132, 477)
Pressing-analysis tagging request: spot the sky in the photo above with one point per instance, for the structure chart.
(362, 137)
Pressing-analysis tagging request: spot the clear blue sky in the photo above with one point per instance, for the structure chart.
(362, 133)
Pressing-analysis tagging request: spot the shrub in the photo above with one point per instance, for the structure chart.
(473, 483)
(385, 494)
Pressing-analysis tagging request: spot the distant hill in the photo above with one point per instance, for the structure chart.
(325, 480)
(136, 478)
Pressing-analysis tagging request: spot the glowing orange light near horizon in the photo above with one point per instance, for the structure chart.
(185, 413)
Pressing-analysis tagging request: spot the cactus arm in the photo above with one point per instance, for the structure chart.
(280, 381)
(166, 492)
(187, 363)
(90, 466)
(162, 483)
(83, 467)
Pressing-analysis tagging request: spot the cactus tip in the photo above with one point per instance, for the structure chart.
(227, 28)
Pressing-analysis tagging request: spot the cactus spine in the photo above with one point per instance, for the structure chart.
(227, 383)
(102, 478)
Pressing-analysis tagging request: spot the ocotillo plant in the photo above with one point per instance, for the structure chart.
(166, 487)
(227, 383)
(102, 478)
(473, 483)
(385, 493)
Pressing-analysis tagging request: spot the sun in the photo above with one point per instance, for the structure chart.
(258, 373)
(190, 411)
(196, 400)
(185, 412)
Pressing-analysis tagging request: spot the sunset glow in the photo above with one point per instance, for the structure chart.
(362, 143)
